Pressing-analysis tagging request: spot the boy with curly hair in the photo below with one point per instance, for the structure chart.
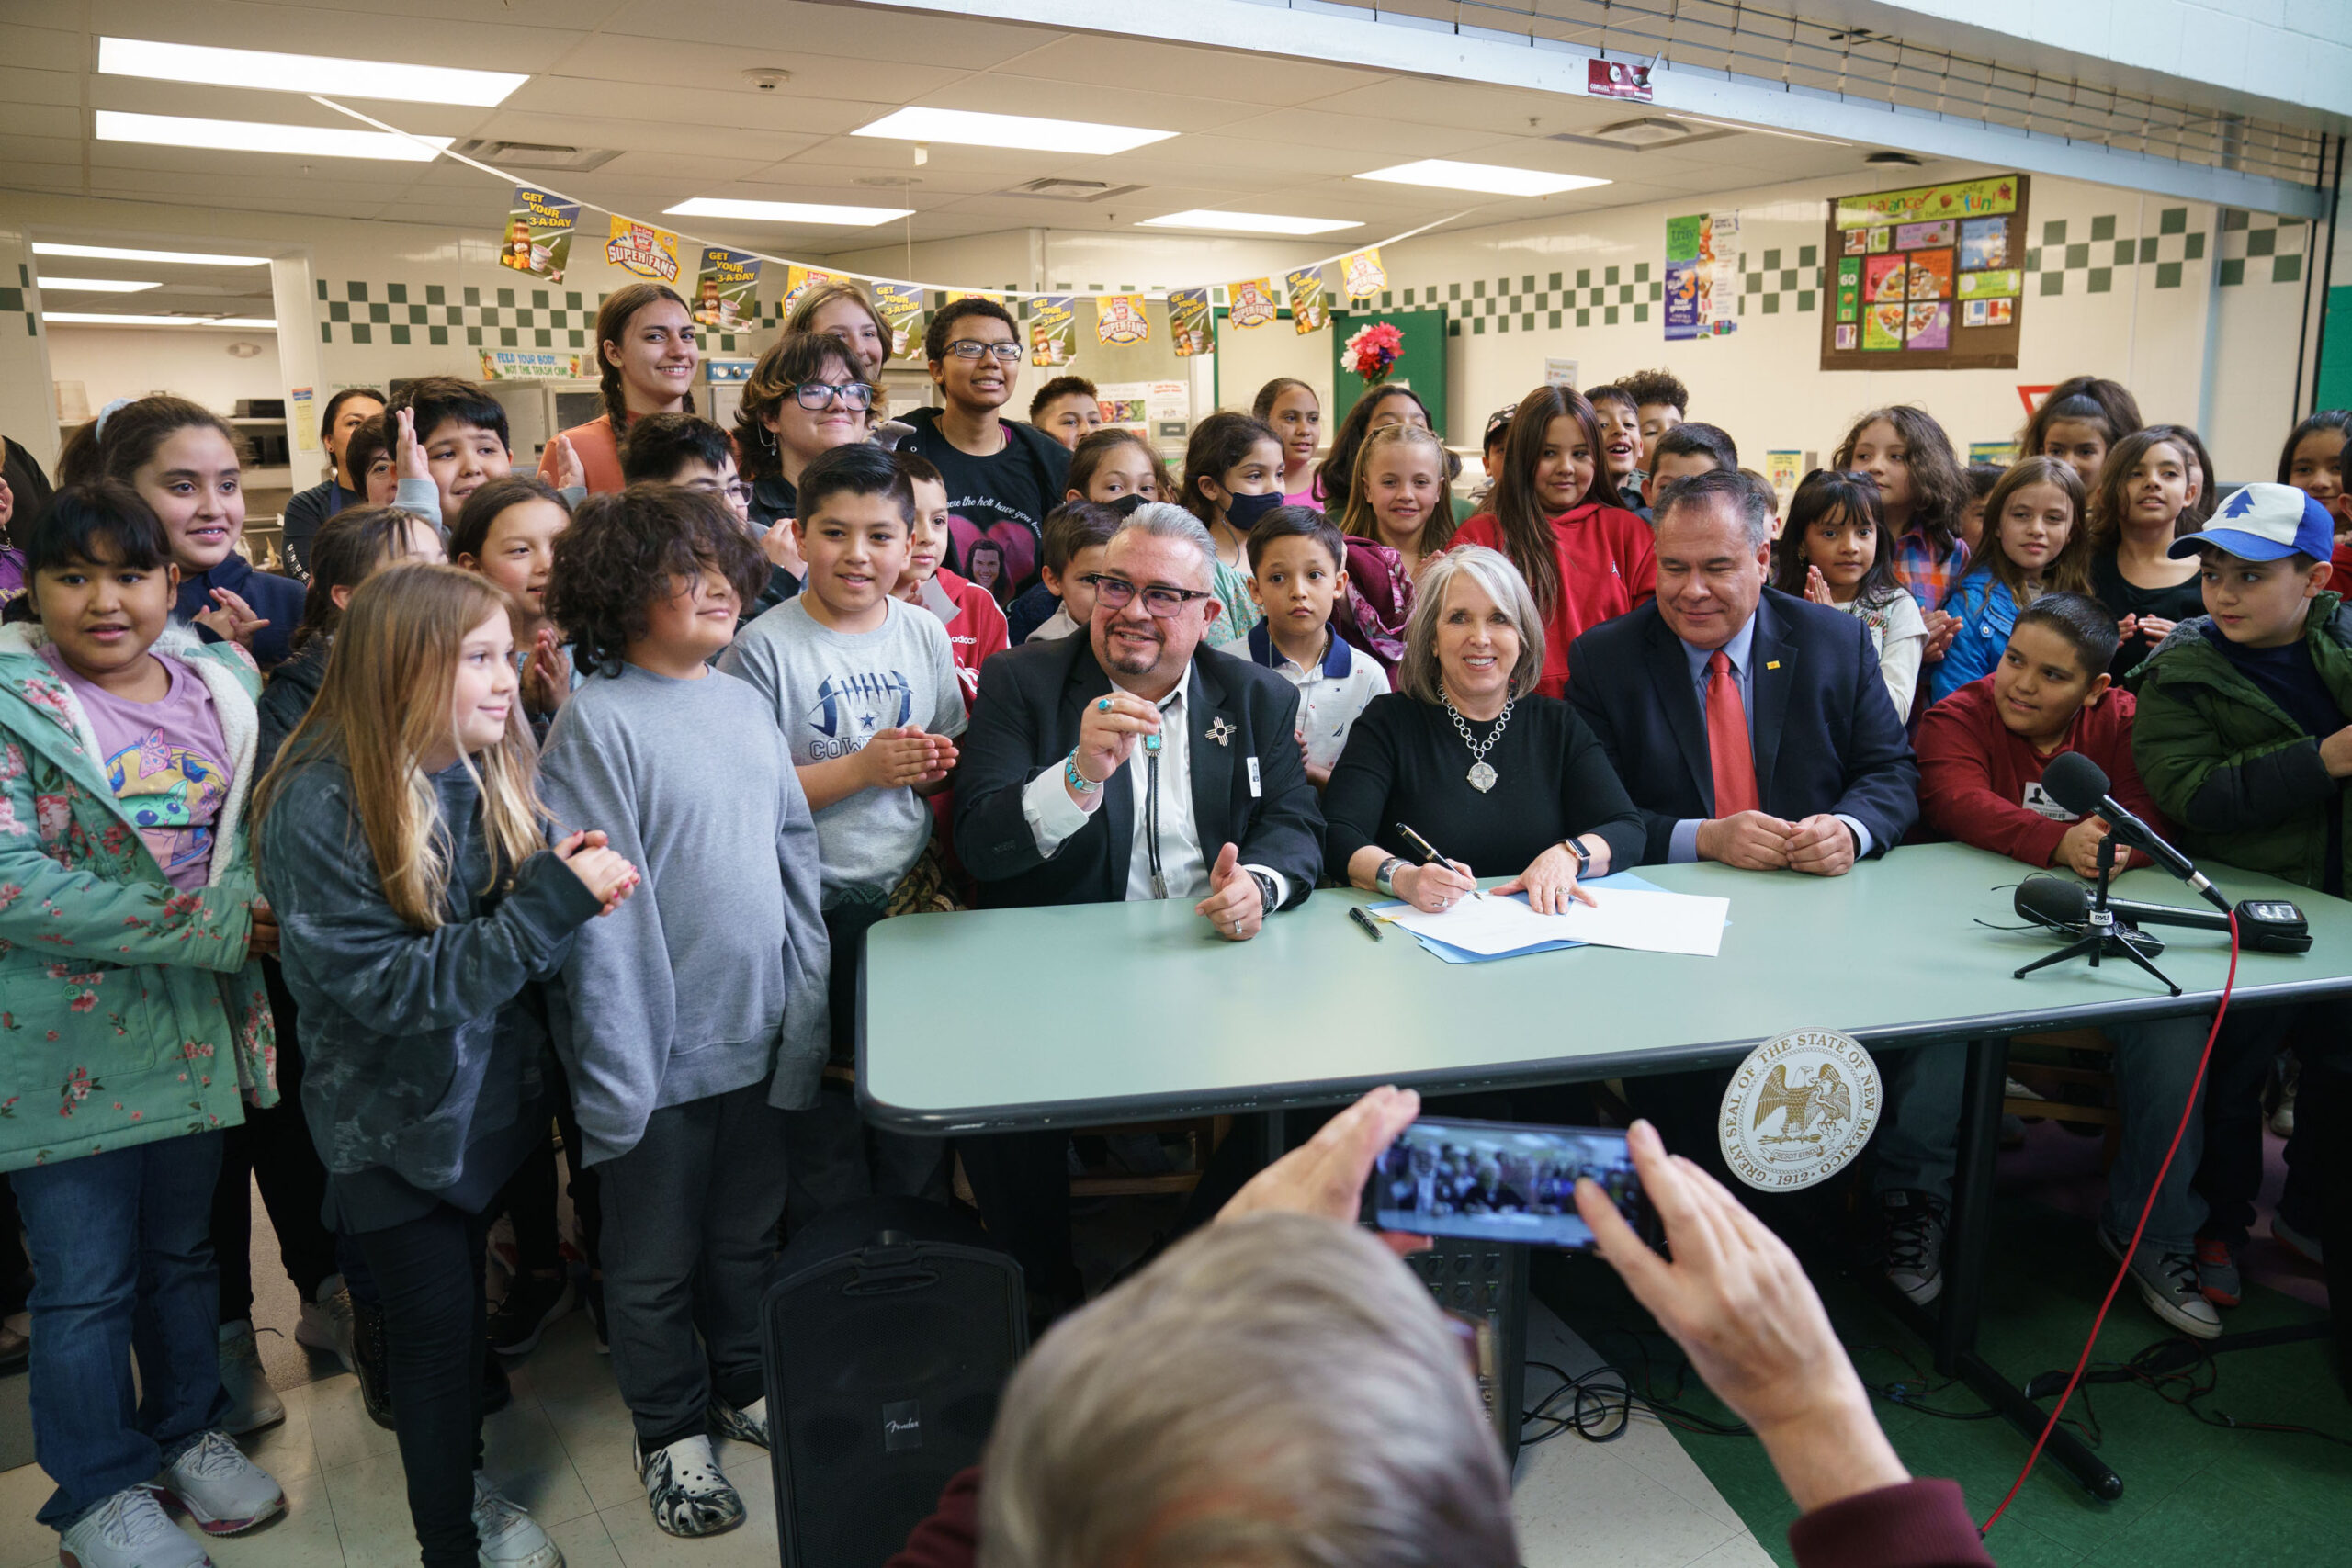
(695, 1014)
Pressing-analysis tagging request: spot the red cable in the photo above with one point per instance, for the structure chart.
(2220, 1010)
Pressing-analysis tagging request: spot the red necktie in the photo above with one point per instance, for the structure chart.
(1727, 748)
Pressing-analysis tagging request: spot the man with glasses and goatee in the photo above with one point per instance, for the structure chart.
(1128, 763)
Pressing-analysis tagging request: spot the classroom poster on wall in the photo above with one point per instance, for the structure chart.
(298, 420)
(901, 304)
(1926, 278)
(1781, 470)
(1120, 321)
(538, 233)
(1361, 276)
(1702, 276)
(1310, 307)
(797, 281)
(1252, 304)
(727, 291)
(1053, 331)
(531, 365)
(643, 249)
(1188, 322)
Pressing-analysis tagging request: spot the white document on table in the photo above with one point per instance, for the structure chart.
(1651, 922)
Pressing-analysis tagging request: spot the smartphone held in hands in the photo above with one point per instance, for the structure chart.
(1500, 1181)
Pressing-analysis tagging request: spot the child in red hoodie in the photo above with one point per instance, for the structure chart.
(1982, 753)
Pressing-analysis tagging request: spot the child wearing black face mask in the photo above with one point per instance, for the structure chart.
(1233, 476)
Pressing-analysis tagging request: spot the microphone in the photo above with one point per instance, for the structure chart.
(2263, 925)
(2079, 785)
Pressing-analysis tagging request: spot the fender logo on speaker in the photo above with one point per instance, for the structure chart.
(903, 1424)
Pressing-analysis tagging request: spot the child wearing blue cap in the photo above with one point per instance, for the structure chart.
(2244, 738)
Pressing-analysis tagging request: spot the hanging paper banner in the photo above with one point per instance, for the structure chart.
(1053, 330)
(539, 234)
(727, 294)
(1188, 322)
(1252, 304)
(901, 304)
(1310, 307)
(1119, 322)
(797, 281)
(644, 250)
(1361, 276)
(1702, 276)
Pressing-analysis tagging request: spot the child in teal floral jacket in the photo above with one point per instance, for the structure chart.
(133, 1021)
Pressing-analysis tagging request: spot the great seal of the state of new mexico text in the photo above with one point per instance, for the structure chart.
(1799, 1109)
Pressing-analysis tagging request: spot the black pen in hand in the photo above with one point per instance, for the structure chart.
(1427, 852)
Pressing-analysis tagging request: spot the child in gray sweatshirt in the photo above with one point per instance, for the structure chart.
(697, 1015)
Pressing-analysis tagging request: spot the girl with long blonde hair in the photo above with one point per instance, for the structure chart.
(405, 847)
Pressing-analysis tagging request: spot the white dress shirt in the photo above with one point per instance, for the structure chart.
(1053, 816)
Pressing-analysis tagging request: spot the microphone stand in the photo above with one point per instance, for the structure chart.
(2107, 936)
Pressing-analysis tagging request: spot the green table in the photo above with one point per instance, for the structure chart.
(1097, 1013)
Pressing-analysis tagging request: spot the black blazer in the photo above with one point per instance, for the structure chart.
(1828, 738)
(1024, 722)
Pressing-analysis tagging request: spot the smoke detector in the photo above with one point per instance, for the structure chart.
(766, 78)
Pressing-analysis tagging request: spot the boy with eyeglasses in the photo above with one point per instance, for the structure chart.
(1002, 475)
(690, 452)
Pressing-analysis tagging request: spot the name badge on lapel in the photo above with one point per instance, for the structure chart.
(1256, 792)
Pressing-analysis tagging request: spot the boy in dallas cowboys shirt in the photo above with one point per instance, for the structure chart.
(863, 687)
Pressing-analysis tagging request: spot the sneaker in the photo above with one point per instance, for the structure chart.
(594, 1294)
(687, 1492)
(749, 1424)
(214, 1483)
(1915, 1243)
(325, 1323)
(2168, 1281)
(371, 1358)
(130, 1530)
(2301, 1243)
(253, 1404)
(2278, 1096)
(2217, 1271)
(532, 1303)
(509, 1538)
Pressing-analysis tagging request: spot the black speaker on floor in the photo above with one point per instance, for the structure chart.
(1486, 1280)
(888, 1333)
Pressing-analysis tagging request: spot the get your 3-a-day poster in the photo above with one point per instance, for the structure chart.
(1702, 276)
(727, 290)
(1926, 279)
(539, 234)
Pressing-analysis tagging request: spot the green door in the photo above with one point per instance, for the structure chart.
(1420, 366)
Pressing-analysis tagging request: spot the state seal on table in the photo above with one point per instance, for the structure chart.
(1799, 1109)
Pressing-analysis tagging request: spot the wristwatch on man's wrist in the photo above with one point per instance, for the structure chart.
(1267, 894)
(1584, 861)
(1380, 879)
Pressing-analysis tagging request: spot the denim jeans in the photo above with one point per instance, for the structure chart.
(2155, 1064)
(1917, 1140)
(437, 1331)
(121, 1246)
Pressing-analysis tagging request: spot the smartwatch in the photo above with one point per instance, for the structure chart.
(1380, 878)
(1584, 861)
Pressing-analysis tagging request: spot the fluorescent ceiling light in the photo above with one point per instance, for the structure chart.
(1249, 222)
(787, 211)
(115, 252)
(304, 73)
(96, 318)
(968, 127)
(257, 136)
(1494, 179)
(91, 285)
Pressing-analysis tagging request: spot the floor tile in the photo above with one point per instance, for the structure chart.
(288, 1450)
(585, 1543)
(1740, 1551)
(642, 1545)
(1575, 1504)
(340, 1430)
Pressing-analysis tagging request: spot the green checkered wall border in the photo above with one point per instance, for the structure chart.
(437, 315)
(2075, 258)
(11, 301)
(1767, 278)
(2260, 247)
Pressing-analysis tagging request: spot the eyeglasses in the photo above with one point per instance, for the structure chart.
(814, 395)
(973, 348)
(1118, 593)
(738, 494)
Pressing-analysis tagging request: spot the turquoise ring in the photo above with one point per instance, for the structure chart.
(1102, 707)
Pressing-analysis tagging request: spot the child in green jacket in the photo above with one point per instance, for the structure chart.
(132, 1019)
(2244, 738)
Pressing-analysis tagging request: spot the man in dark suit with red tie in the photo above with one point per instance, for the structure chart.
(1753, 728)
